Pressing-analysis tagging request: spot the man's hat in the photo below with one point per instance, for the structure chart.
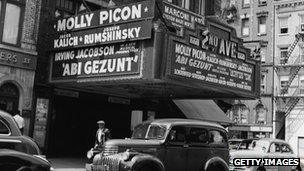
(101, 122)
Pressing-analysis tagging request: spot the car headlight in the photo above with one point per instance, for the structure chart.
(90, 154)
(125, 155)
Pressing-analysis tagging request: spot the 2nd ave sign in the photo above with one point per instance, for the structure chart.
(138, 11)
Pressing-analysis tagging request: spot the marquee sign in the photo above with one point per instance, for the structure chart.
(180, 17)
(104, 35)
(121, 14)
(198, 65)
(98, 61)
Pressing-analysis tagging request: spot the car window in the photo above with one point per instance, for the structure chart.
(286, 149)
(198, 135)
(177, 134)
(4, 128)
(18, 146)
(217, 137)
(274, 148)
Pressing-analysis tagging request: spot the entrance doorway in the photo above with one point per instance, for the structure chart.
(74, 123)
(9, 98)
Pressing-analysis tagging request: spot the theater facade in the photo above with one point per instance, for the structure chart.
(127, 63)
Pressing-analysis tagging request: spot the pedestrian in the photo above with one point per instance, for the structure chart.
(102, 135)
(20, 121)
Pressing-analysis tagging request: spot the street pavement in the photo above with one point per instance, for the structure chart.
(68, 164)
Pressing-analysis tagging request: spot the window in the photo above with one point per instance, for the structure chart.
(4, 129)
(262, 2)
(283, 55)
(283, 25)
(275, 148)
(284, 82)
(301, 84)
(246, 3)
(196, 6)
(245, 27)
(198, 135)
(177, 134)
(218, 138)
(286, 149)
(263, 83)
(66, 7)
(262, 25)
(10, 13)
(263, 55)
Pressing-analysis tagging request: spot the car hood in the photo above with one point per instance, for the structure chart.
(132, 142)
(246, 154)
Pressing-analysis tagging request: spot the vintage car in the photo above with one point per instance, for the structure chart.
(167, 144)
(11, 160)
(264, 148)
(12, 139)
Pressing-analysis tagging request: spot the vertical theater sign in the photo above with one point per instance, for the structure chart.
(156, 48)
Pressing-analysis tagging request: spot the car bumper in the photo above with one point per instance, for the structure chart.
(88, 166)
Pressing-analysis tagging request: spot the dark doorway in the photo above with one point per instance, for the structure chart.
(9, 98)
(73, 123)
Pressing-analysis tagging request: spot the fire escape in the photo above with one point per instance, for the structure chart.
(289, 94)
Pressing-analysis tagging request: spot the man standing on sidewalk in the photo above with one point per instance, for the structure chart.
(102, 134)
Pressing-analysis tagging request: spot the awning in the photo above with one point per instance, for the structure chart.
(206, 110)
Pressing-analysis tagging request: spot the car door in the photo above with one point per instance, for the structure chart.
(286, 153)
(274, 151)
(176, 149)
(199, 151)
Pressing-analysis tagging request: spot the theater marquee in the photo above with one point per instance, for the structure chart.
(152, 50)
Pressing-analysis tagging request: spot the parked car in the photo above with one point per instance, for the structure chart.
(245, 144)
(167, 144)
(234, 143)
(11, 160)
(12, 139)
(264, 148)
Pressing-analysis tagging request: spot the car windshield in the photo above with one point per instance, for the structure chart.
(233, 144)
(149, 131)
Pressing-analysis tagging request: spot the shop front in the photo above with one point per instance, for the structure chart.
(126, 64)
(17, 71)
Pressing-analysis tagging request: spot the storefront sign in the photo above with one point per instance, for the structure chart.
(104, 35)
(16, 59)
(261, 129)
(126, 13)
(199, 65)
(99, 61)
(180, 17)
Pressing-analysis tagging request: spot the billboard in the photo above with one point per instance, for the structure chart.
(99, 61)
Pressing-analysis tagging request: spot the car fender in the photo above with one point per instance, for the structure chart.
(139, 159)
(216, 160)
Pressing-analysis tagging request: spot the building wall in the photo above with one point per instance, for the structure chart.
(18, 73)
(292, 10)
(255, 41)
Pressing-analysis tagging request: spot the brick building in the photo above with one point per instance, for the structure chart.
(253, 21)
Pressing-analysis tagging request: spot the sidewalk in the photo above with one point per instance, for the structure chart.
(68, 164)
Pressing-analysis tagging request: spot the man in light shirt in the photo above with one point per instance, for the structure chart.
(102, 134)
(20, 121)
